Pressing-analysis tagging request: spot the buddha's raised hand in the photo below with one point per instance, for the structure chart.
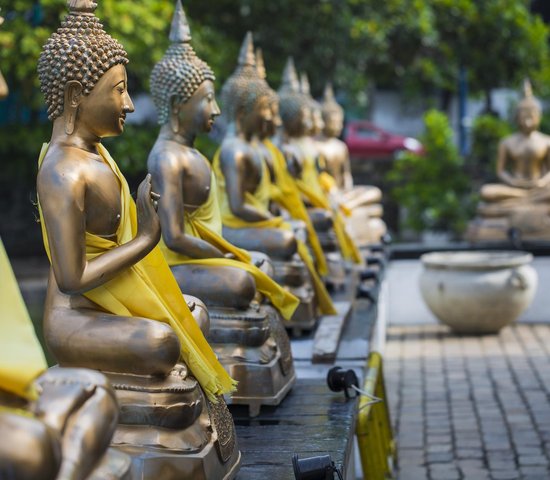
(147, 217)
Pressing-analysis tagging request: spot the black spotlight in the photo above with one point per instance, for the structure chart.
(314, 468)
(339, 379)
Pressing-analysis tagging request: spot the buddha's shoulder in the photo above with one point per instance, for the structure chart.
(64, 164)
(168, 155)
(234, 148)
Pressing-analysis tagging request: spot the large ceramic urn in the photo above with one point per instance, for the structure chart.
(478, 292)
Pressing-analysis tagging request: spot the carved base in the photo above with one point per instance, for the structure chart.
(115, 465)
(261, 360)
(171, 431)
(295, 276)
(532, 224)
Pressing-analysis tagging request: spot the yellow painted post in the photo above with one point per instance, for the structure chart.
(373, 429)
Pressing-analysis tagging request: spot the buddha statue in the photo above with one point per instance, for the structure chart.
(243, 181)
(249, 339)
(363, 202)
(57, 423)
(112, 302)
(521, 203)
(299, 122)
(3, 84)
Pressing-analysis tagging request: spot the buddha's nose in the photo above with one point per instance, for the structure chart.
(128, 104)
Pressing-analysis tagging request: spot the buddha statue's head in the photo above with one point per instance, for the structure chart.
(317, 122)
(529, 110)
(182, 85)
(333, 114)
(83, 76)
(294, 107)
(273, 125)
(245, 95)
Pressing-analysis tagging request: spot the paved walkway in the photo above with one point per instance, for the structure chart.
(468, 407)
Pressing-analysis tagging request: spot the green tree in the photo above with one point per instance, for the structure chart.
(433, 187)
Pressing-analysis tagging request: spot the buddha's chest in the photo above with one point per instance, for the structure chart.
(196, 180)
(253, 172)
(528, 151)
(102, 202)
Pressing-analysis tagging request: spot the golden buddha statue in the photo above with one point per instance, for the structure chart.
(522, 201)
(243, 181)
(112, 302)
(300, 121)
(249, 340)
(363, 202)
(57, 423)
(3, 84)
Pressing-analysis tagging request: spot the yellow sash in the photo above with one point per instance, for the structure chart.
(148, 289)
(311, 188)
(205, 223)
(285, 192)
(260, 200)
(21, 356)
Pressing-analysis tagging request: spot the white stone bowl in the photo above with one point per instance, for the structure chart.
(478, 292)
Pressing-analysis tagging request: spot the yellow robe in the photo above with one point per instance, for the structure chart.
(260, 201)
(285, 192)
(21, 357)
(205, 223)
(148, 289)
(311, 188)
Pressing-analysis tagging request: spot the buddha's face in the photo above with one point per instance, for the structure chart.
(334, 122)
(528, 117)
(256, 121)
(275, 122)
(198, 113)
(306, 120)
(317, 123)
(103, 111)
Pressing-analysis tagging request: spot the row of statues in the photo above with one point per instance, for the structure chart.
(161, 310)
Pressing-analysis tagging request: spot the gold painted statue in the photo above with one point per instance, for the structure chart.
(249, 339)
(522, 201)
(112, 303)
(243, 181)
(57, 423)
(300, 120)
(363, 202)
(3, 84)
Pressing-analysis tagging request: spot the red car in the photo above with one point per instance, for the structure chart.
(366, 140)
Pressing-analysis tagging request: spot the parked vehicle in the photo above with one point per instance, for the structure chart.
(366, 140)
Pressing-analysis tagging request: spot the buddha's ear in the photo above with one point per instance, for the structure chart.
(72, 99)
(174, 117)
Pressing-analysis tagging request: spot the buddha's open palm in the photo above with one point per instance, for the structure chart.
(147, 217)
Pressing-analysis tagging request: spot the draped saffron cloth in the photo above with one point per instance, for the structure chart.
(260, 200)
(205, 223)
(148, 289)
(21, 356)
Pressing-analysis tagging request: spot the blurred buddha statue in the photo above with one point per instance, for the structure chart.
(243, 181)
(362, 202)
(522, 201)
(3, 84)
(249, 339)
(112, 303)
(300, 120)
(57, 423)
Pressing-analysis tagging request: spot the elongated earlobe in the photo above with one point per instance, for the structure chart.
(73, 96)
(174, 122)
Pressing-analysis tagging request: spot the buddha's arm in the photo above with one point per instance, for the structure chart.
(168, 182)
(348, 177)
(233, 165)
(3, 87)
(62, 201)
(544, 181)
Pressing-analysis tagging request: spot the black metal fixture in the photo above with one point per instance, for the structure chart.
(339, 380)
(320, 467)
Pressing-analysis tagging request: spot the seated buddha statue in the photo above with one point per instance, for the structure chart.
(522, 201)
(363, 202)
(54, 424)
(112, 302)
(249, 340)
(243, 182)
(303, 157)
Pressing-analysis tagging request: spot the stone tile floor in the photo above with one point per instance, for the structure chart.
(470, 407)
